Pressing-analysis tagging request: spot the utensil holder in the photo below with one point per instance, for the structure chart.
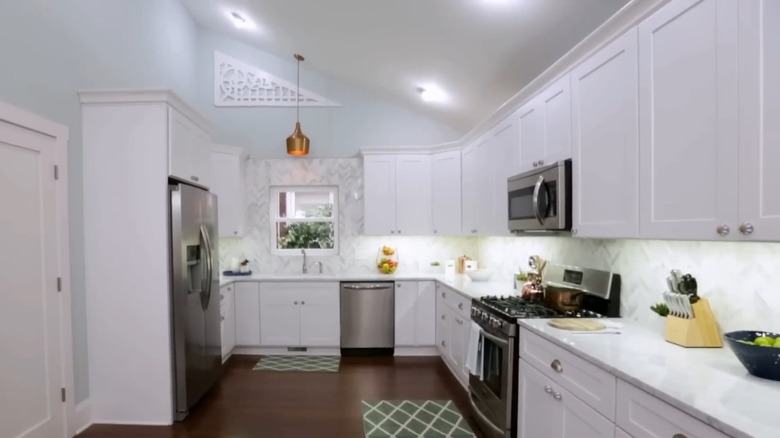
(701, 331)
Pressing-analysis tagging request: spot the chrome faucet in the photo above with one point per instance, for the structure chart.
(304, 268)
(319, 264)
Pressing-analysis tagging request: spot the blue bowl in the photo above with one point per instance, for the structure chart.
(759, 361)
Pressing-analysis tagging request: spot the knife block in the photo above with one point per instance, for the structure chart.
(701, 331)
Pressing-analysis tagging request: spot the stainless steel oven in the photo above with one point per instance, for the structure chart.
(540, 200)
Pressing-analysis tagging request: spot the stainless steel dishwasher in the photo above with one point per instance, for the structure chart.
(367, 318)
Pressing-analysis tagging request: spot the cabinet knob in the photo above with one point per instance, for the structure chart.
(557, 366)
(398, 285)
(295, 303)
(548, 389)
(235, 232)
(443, 295)
(557, 395)
(399, 231)
(195, 178)
(443, 344)
(221, 297)
(460, 306)
(536, 164)
(574, 231)
(223, 318)
(746, 228)
(473, 231)
(723, 230)
(443, 318)
(392, 232)
(434, 231)
(303, 303)
(541, 162)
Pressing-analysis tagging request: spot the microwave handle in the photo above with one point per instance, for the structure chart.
(537, 189)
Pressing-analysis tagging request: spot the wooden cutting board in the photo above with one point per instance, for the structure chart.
(579, 325)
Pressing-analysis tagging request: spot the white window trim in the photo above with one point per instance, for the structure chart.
(274, 218)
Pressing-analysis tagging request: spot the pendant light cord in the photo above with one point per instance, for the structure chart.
(298, 93)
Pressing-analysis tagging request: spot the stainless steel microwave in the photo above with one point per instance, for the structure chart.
(540, 199)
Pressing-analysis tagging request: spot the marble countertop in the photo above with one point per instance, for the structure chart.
(458, 282)
(708, 384)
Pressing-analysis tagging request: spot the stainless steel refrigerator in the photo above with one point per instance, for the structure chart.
(194, 292)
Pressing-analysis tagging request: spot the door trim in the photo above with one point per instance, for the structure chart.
(60, 134)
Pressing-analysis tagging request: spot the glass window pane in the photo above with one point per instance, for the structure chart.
(308, 235)
(306, 204)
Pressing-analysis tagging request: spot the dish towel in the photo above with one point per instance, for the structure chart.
(473, 354)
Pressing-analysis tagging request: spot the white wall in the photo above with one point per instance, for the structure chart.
(362, 120)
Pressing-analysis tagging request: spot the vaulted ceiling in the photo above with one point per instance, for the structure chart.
(479, 52)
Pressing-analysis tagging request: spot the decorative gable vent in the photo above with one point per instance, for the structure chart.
(240, 84)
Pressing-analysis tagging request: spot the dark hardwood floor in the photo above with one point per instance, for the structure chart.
(266, 404)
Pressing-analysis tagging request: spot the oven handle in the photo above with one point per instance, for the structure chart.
(497, 431)
(495, 339)
(537, 189)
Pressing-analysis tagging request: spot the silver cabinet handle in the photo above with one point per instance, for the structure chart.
(399, 231)
(460, 306)
(536, 164)
(473, 231)
(195, 178)
(723, 230)
(303, 303)
(443, 295)
(435, 231)
(442, 317)
(557, 395)
(541, 162)
(548, 389)
(295, 303)
(223, 318)
(574, 231)
(398, 284)
(235, 232)
(392, 232)
(679, 435)
(443, 344)
(746, 228)
(557, 366)
(221, 297)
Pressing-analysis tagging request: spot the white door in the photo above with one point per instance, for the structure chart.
(446, 193)
(556, 103)
(247, 302)
(539, 414)
(30, 363)
(469, 165)
(606, 141)
(320, 315)
(759, 112)
(379, 194)
(227, 183)
(688, 112)
(425, 314)
(531, 135)
(484, 184)
(413, 195)
(280, 319)
(405, 312)
(579, 419)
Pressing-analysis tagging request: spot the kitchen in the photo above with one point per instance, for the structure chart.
(631, 99)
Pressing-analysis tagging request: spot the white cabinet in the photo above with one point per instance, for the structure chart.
(446, 193)
(299, 314)
(442, 325)
(504, 147)
(415, 313)
(759, 113)
(228, 311)
(227, 182)
(397, 194)
(688, 110)
(469, 181)
(477, 187)
(606, 141)
(247, 301)
(545, 127)
(452, 330)
(189, 149)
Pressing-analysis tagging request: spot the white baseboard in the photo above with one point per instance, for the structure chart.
(83, 416)
(281, 351)
(416, 351)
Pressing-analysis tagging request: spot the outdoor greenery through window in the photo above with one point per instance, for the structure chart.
(304, 218)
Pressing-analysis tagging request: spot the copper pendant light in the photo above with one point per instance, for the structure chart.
(298, 143)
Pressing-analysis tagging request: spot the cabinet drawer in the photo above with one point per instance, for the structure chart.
(457, 302)
(588, 382)
(644, 416)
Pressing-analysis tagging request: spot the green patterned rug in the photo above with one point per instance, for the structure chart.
(414, 419)
(321, 364)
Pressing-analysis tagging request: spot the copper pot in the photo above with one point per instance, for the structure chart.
(563, 299)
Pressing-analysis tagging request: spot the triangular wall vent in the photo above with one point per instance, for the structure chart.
(240, 84)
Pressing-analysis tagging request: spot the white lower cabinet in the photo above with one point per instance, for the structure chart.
(247, 309)
(299, 314)
(228, 325)
(442, 327)
(415, 314)
(452, 330)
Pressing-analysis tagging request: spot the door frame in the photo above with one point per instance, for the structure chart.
(60, 134)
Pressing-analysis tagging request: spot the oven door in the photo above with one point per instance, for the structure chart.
(492, 394)
(540, 200)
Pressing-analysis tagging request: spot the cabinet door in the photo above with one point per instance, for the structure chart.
(483, 184)
(531, 116)
(227, 183)
(469, 163)
(413, 195)
(200, 157)
(405, 312)
(555, 101)
(425, 314)
(505, 143)
(579, 419)
(247, 300)
(539, 414)
(458, 346)
(181, 137)
(606, 141)
(442, 325)
(379, 194)
(280, 321)
(320, 315)
(446, 193)
(230, 321)
(465, 332)
(688, 120)
(759, 113)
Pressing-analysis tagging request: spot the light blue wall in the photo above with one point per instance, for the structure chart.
(362, 120)
(51, 48)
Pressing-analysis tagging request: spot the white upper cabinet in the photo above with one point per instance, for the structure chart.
(189, 149)
(397, 194)
(446, 193)
(606, 141)
(759, 120)
(688, 120)
(531, 119)
(545, 127)
(470, 200)
(227, 182)
(483, 188)
(504, 146)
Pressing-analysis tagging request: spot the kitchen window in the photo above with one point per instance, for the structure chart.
(304, 218)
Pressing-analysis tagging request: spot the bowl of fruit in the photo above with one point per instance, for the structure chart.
(387, 260)
(758, 351)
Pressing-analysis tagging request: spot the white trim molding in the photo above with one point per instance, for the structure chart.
(82, 417)
(238, 84)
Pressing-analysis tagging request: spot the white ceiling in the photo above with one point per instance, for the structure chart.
(480, 52)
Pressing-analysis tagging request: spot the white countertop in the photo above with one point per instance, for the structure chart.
(709, 384)
(459, 282)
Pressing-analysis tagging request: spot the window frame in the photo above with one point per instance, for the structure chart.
(274, 219)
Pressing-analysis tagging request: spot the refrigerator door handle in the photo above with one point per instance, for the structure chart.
(206, 288)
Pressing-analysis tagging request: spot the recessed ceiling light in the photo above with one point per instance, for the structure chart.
(432, 93)
(239, 21)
